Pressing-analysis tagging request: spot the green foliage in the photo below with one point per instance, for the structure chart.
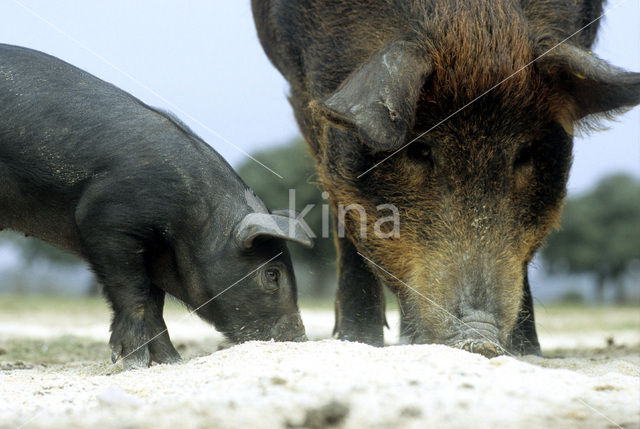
(600, 231)
(572, 297)
(294, 163)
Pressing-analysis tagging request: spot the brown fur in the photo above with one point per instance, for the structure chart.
(480, 191)
(486, 43)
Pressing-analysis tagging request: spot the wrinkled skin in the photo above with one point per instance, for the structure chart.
(483, 182)
(151, 207)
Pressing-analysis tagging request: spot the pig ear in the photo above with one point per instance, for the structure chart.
(256, 225)
(379, 99)
(588, 85)
(286, 213)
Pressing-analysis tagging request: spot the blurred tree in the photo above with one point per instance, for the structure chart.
(316, 275)
(33, 250)
(34, 259)
(599, 234)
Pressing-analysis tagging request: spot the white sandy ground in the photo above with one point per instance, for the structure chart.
(318, 383)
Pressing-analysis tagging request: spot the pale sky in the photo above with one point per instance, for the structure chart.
(202, 60)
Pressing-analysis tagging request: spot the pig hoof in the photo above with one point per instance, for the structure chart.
(161, 349)
(370, 340)
(484, 348)
(132, 358)
(373, 337)
(134, 352)
(168, 360)
(115, 355)
(165, 356)
(137, 359)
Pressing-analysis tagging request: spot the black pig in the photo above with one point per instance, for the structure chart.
(461, 114)
(151, 207)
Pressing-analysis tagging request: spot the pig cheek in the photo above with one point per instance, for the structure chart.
(433, 296)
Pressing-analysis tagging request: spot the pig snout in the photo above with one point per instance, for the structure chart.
(289, 328)
(478, 333)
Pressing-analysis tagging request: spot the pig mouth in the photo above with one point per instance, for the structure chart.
(482, 346)
(476, 334)
(488, 349)
(295, 337)
(289, 328)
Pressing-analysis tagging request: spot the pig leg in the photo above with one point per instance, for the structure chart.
(524, 338)
(359, 300)
(111, 244)
(126, 287)
(407, 324)
(160, 347)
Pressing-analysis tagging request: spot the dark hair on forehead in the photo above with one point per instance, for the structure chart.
(473, 46)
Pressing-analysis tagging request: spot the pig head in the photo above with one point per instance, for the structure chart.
(460, 114)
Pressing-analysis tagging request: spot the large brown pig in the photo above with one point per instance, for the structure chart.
(461, 114)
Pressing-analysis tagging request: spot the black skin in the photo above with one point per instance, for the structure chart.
(318, 44)
(150, 206)
(359, 301)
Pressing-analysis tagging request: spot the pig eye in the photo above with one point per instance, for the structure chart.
(273, 275)
(523, 157)
(421, 153)
(270, 284)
